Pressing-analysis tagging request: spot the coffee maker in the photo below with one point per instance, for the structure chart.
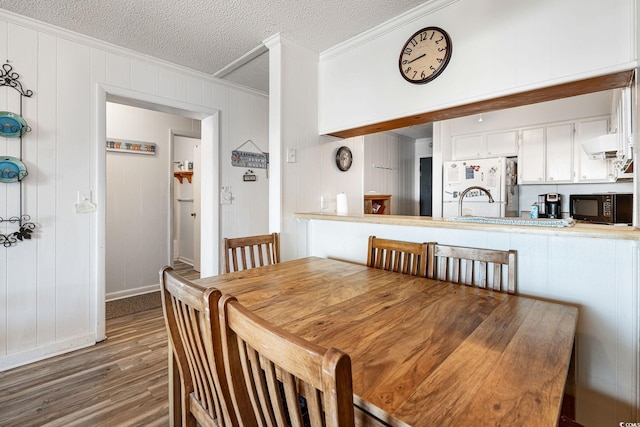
(549, 205)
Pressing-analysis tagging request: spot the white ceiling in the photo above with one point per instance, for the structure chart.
(210, 35)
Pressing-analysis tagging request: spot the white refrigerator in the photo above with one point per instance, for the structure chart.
(498, 175)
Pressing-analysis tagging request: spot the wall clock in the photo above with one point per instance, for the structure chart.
(425, 55)
(344, 158)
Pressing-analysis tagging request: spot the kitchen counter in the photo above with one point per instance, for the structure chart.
(578, 230)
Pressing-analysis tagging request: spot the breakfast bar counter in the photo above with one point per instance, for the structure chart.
(578, 230)
(592, 267)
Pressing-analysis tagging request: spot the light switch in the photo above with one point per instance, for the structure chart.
(225, 195)
(291, 155)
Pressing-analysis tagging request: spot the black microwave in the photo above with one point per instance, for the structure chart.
(606, 208)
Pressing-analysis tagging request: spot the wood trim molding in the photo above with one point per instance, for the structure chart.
(564, 90)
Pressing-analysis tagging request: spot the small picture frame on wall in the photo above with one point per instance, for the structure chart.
(129, 146)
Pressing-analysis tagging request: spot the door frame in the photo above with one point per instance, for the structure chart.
(210, 213)
(196, 206)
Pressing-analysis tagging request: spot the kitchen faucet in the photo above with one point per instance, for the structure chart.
(466, 190)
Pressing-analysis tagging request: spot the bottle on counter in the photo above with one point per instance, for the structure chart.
(534, 211)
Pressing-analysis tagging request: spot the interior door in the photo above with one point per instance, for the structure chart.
(426, 186)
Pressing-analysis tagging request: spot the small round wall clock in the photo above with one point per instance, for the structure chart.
(425, 55)
(344, 158)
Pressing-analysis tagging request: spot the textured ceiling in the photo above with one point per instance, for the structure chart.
(209, 35)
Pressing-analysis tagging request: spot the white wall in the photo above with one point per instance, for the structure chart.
(52, 287)
(499, 47)
(293, 124)
(248, 213)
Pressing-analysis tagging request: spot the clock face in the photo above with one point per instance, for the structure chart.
(344, 158)
(425, 55)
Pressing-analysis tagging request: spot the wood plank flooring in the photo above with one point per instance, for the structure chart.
(121, 381)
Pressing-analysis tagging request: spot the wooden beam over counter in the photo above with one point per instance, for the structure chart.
(564, 90)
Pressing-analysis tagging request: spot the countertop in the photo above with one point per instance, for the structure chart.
(578, 230)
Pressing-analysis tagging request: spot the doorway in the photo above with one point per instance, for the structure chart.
(426, 186)
(210, 130)
(138, 194)
(186, 200)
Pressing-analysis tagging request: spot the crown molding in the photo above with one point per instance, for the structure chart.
(405, 18)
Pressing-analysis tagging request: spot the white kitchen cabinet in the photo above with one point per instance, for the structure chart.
(469, 147)
(531, 157)
(503, 144)
(485, 145)
(587, 169)
(546, 155)
(559, 153)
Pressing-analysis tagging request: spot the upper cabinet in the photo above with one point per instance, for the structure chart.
(485, 145)
(546, 155)
(588, 169)
(553, 154)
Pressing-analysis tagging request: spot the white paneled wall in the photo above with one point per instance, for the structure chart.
(248, 212)
(52, 288)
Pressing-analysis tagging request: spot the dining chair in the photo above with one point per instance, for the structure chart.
(191, 317)
(284, 379)
(396, 255)
(242, 253)
(484, 268)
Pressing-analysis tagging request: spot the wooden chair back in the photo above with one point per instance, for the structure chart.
(484, 268)
(279, 379)
(242, 253)
(395, 255)
(191, 317)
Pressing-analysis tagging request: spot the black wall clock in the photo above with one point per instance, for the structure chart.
(344, 158)
(425, 55)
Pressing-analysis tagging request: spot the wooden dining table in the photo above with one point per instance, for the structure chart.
(423, 352)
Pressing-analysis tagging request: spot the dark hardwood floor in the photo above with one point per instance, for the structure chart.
(121, 381)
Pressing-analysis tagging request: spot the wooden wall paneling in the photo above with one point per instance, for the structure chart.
(4, 206)
(21, 258)
(145, 77)
(4, 324)
(207, 94)
(46, 95)
(167, 83)
(627, 308)
(73, 290)
(118, 71)
(181, 87)
(194, 90)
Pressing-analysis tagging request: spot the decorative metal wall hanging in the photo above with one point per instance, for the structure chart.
(12, 169)
(248, 159)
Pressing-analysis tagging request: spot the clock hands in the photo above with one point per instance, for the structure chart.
(424, 54)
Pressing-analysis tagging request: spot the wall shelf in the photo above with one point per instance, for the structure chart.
(379, 204)
(182, 175)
